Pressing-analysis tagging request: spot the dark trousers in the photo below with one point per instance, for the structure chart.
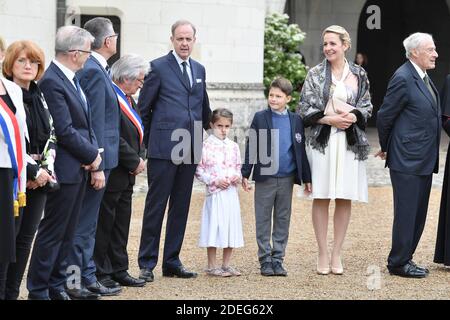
(82, 251)
(411, 196)
(166, 182)
(273, 204)
(7, 232)
(110, 253)
(26, 225)
(48, 265)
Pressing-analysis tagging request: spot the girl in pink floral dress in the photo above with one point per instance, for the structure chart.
(220, 170)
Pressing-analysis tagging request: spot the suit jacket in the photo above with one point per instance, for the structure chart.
(167, 104)
(409, 124)
(105, 110)
(75, 138)
(130, 153)
(263, 120)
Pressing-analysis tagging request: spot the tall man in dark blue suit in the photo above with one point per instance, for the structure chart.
(409, 127)
(105, 111)
(173, 97)
(77, 148)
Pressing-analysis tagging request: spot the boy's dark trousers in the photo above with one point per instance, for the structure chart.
(273, 194)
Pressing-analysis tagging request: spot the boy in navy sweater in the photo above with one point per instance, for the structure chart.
(276, 168)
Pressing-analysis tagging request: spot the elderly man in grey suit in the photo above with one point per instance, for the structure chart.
(409, 126)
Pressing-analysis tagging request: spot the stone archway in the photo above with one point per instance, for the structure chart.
(384, 47)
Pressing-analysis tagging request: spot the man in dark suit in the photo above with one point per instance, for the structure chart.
(173, 101)
(110, 254)
(102, 98)
(409, 126)
(77, 148)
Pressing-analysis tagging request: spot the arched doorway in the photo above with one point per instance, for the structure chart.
(384, 47)
(117, 25)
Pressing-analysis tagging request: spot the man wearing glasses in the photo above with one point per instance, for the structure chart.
(104, 107)
(77, 152)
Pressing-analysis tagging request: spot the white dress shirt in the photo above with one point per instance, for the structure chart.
(188, 65)
(100, 59)
(421, 73)
(69, 75)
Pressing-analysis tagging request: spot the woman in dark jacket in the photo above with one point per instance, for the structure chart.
(24, 64)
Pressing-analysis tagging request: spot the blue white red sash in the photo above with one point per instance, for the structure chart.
(131, 114)
(11, 131)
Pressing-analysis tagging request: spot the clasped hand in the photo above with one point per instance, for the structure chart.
(40, 181)
(94, 165)
(225, 183)
(342, 121)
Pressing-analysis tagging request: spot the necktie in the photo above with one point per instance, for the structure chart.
(108, 70)
(77, 85)
(185, 75)
(129, 101)
(426, 79)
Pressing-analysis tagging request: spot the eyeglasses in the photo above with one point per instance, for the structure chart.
(141, 81)
(112, 36)
(23, 62)
(79, 50)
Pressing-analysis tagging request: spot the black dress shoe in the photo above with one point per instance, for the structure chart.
(147, 275)
(407, 271)
(61, 295)
(278, 269)
(128, 281)
(419, 267)
(180, 272)
(82, 294)
(267, 269)
(100, 289)
(108, 282)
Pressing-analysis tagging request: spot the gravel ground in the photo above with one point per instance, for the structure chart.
(364, 258)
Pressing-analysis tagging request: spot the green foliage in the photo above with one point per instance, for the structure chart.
(281, 57)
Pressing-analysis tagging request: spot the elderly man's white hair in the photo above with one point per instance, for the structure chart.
(414, 41)
(129, 67)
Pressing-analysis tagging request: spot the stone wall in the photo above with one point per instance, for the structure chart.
(230, 43)
(313, 16)
(241, 99)
(29, 19)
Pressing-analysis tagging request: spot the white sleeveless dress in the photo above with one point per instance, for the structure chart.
(337, 174)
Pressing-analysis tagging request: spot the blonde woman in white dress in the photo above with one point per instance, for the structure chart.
(220, 170)
(335, 103)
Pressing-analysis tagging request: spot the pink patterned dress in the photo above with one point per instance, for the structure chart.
(221, 216)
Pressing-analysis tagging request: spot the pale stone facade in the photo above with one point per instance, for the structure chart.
(230, 39)
(29, 19)
(315, 16)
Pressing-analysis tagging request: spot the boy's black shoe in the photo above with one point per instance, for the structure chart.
(267, 269)
(278, 269)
